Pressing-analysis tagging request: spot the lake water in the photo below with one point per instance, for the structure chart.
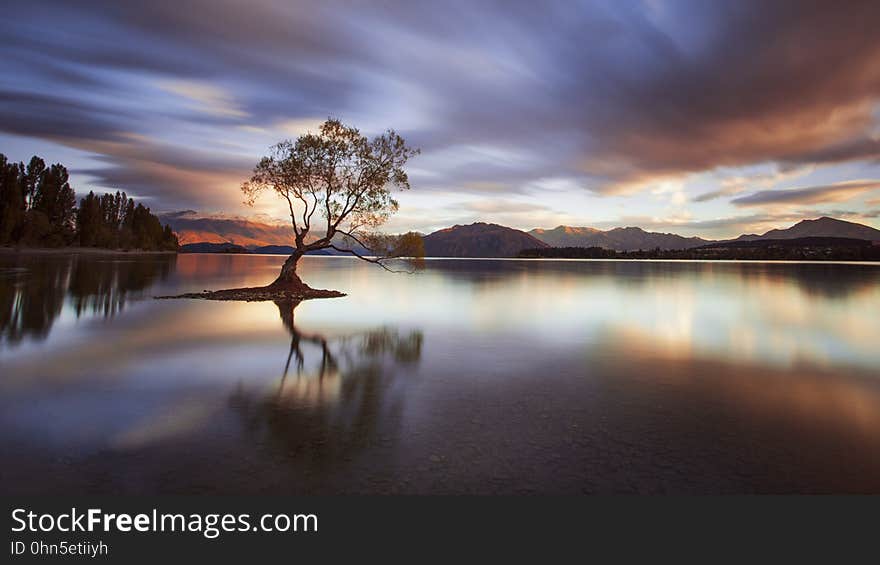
(471, 376)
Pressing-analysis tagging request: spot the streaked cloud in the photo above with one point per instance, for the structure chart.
(737, 184)
(837, 192)
(204, 97)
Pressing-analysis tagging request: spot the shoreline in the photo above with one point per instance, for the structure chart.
(78, 251)
(5, 250)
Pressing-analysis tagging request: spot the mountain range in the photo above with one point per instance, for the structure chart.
(618, 239)
(492, 240)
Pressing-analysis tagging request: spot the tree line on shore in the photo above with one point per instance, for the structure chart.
(38, 209)
(798, 249)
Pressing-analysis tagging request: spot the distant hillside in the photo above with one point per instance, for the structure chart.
(618, 239)
(821, 227)
(210, 247)
(272, 250)
(285, 250)
(805, 242)
(797, 249)
(567, 236)
(193, 229)
(479, 240)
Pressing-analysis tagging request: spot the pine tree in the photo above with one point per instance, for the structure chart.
(12, 204)
(38, 208)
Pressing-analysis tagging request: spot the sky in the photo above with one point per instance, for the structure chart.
(694, 117)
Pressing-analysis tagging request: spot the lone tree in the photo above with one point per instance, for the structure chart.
(337, 185)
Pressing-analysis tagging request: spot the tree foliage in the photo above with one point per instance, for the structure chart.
(337, 186)
(38, 208)
(114, 221)
(37, 204)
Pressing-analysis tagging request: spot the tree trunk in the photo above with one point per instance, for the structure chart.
(288, 279)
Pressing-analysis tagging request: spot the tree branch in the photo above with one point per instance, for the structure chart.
(374, 260)
(356, 240)
(292, 214)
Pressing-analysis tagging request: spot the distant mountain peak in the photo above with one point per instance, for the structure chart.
(479, 239)
(475, 225)
(823, 227)
(827, 220)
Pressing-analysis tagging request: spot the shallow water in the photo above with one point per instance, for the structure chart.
(471, 376)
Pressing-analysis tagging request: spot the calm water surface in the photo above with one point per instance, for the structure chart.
(469, 377)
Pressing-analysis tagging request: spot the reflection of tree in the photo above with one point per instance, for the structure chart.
(33, 288)
(103, 287)
(328, 362)
(333, 403)
(31, 297)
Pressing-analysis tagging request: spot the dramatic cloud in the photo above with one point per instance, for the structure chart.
(609, 98)
(753, 92)
(837, 192)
